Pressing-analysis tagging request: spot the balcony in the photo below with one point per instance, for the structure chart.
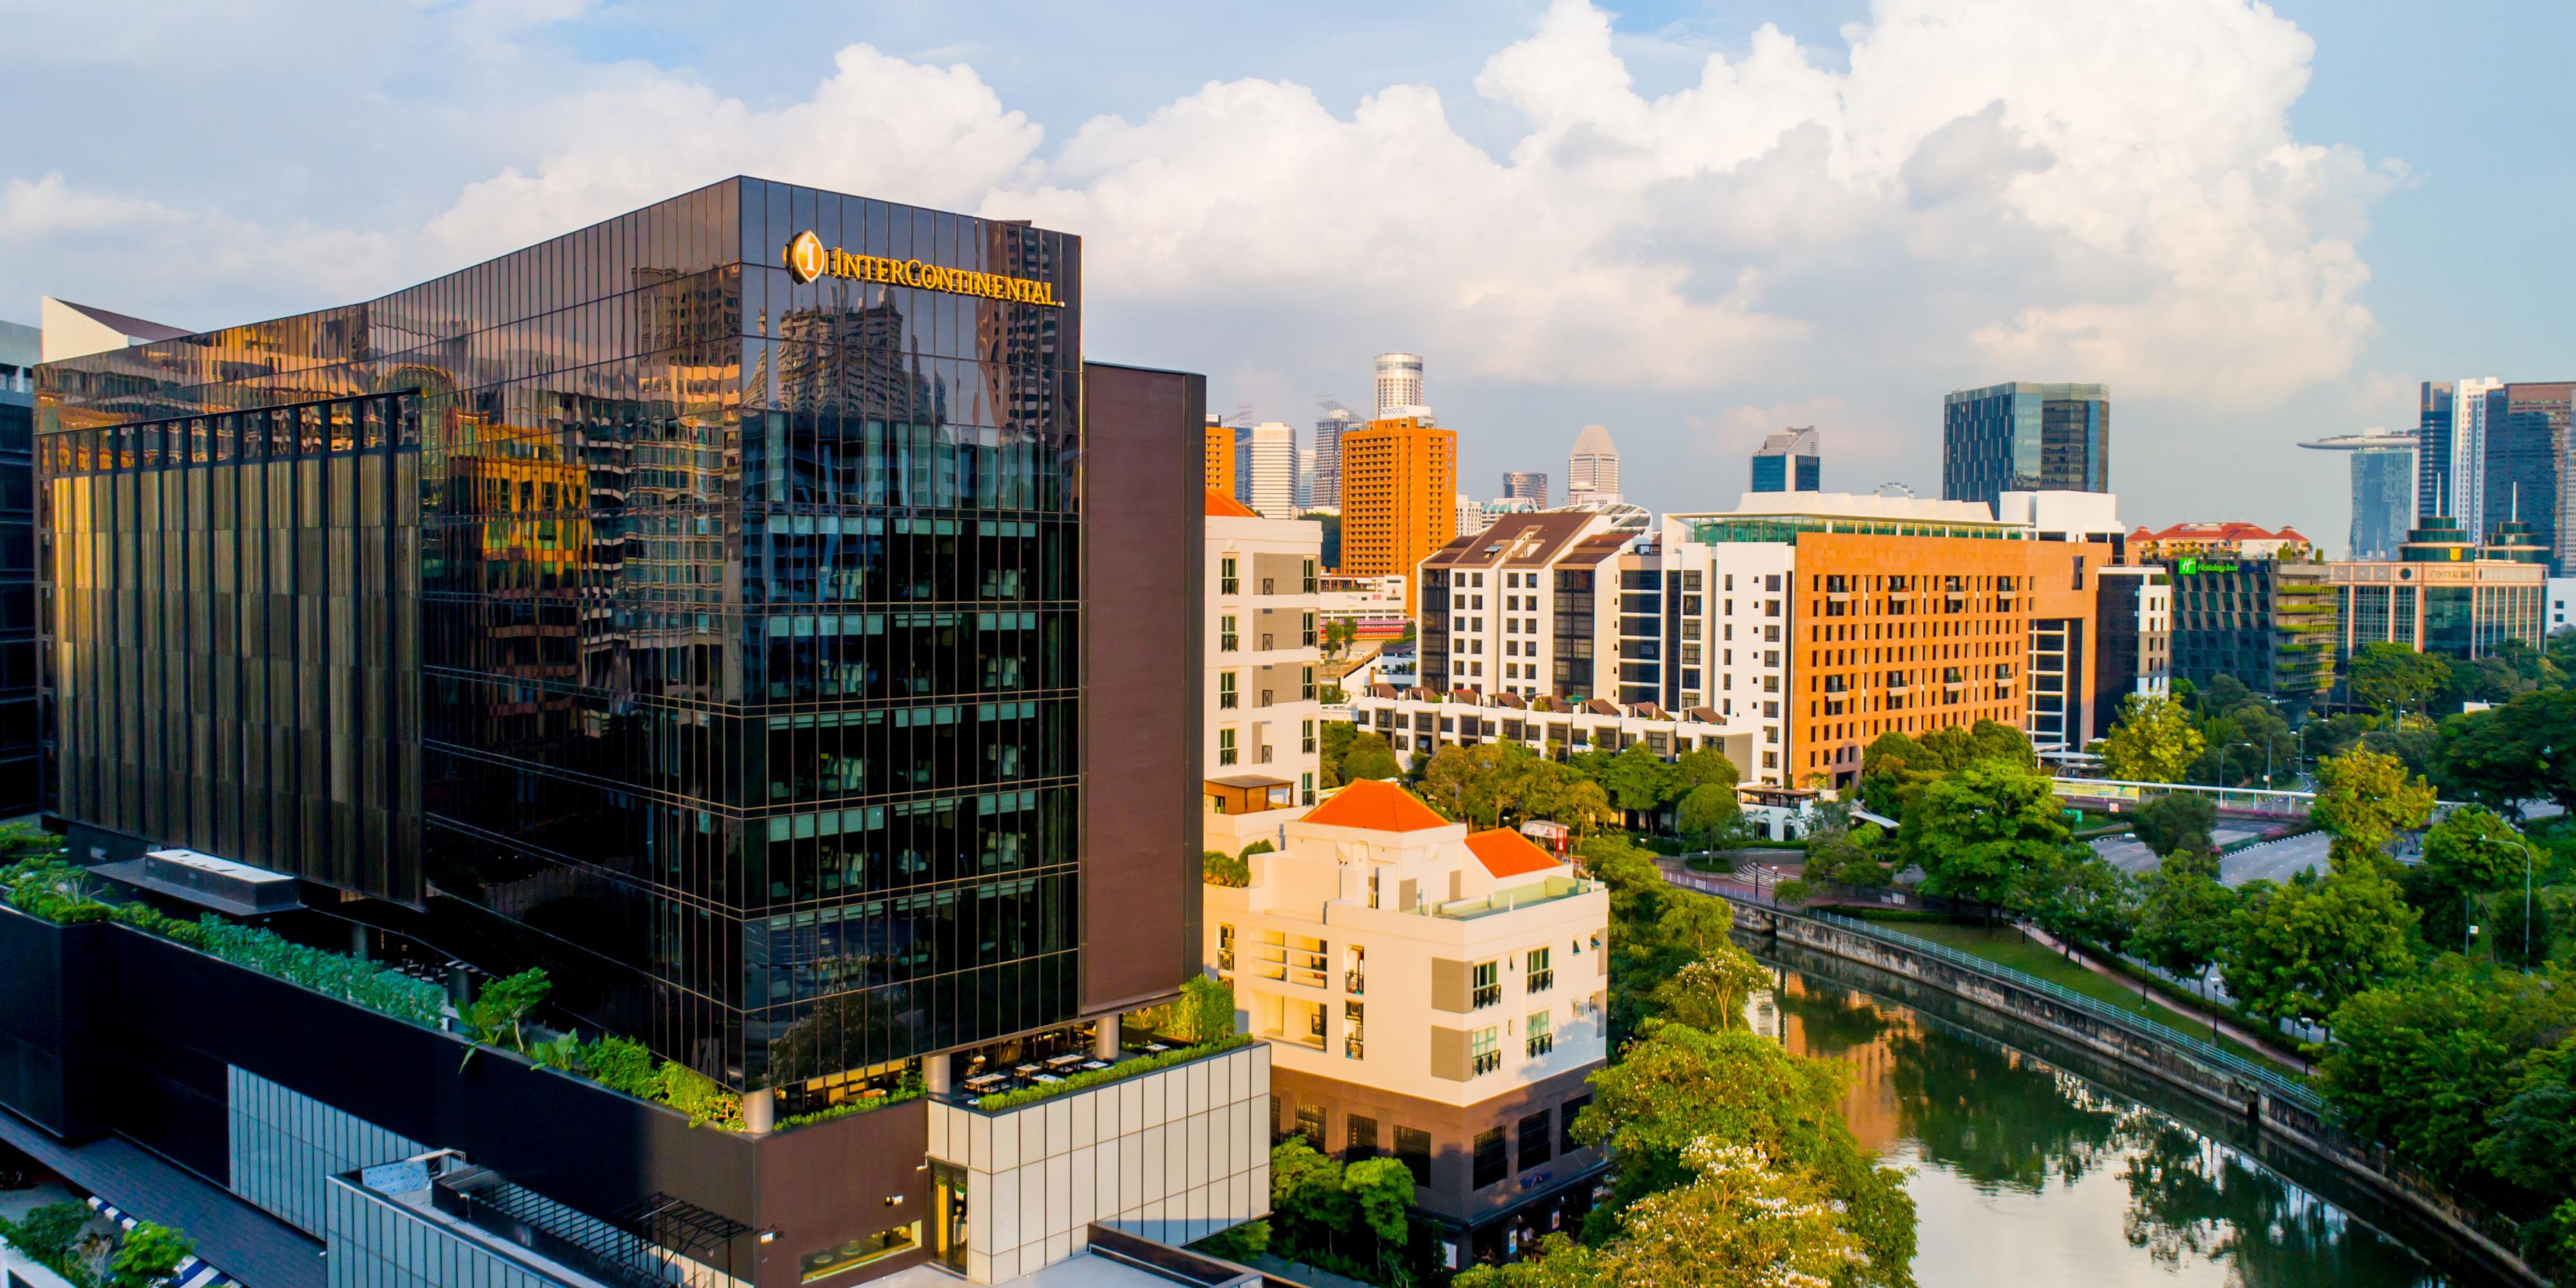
(1542, 980)
(1354, 982)
(1540, 1044)
(1486, 995)
(1484, 1062)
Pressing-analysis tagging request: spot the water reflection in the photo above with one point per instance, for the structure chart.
(2026, 1173)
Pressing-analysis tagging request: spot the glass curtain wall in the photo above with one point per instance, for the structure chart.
(734, 656)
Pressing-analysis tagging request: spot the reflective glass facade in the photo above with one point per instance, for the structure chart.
(2025, 437)
(18, 709)
(702, 629)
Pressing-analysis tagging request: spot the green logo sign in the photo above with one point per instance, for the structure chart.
(2192, 567)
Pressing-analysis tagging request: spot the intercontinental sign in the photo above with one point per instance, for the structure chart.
(808, 258)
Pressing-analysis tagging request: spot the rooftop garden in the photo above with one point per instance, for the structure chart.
(1202, 1022)
(40, 884)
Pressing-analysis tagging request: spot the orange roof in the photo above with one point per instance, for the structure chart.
(1221, 506)
(1507, 853)
(2228, 531)
(1376, 807)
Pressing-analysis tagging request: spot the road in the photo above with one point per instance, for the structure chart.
(2274, 862)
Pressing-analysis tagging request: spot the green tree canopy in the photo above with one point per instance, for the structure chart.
(1637, 780)
(1332, 747)
(2176, 823)
(1368, 757)
(1707, 811)
(2365, 799)
(148, 1255)
(2183, 915)
(2516, 752)
(2428, 1062)
(2299, 950)
(1981, 834)
(2154, 740)
(1680, 1085)
(1704, 767)
(2388, 677)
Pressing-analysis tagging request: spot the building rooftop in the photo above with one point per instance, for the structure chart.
(1376, 806)
(2228, 531)
(1221, 506)
(1853, 505)
(1519, 540)
(1506, 853)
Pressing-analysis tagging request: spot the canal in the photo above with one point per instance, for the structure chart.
(2036, 1162)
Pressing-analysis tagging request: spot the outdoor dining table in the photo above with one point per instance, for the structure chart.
(1063, 1062)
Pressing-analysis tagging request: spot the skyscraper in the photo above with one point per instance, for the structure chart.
(1399, 384)
(1525, 485)
(723, 643)
(1335, 421)
(1220, 456)
(2383, 488)
(1592, 472)
(1471, 517)
(2025, 437)
(1789, 461)
(1399, 498)
(2451, 450)
(1270, 481)
(2527, 463)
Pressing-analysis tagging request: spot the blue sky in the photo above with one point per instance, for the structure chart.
(2257, 224)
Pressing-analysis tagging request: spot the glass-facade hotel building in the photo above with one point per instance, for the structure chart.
(692, 605)
(2025, 437)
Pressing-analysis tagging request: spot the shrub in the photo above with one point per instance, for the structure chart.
(364, 983)
(149, 1254)
(1219, 868)
(697, 1095)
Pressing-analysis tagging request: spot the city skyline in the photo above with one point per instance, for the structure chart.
(2362, 220)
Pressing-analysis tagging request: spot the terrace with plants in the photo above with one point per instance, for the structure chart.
(1198, 1025)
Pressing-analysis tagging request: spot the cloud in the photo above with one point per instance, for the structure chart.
(1965, 192)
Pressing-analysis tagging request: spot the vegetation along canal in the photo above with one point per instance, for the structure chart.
(2038, 1163)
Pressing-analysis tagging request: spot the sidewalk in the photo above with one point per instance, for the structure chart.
(2269, 1045)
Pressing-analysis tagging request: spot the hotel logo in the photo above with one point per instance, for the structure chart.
(807, 259)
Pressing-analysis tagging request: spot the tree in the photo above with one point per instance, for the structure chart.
(1710, 993)
(1679, 1086)
(1743, 1220)
(149, 1255)
(2512, 754)
(1704, 767)
(2324, 736)
(2297, 951)
(2365, 799)
(2077, 896)
(2427, 1062)
(2389, 677)
(1218, 868)
(2473, 852)
(1368, 757)
(2182, 916)
(1981, 834)
(1332, 749)
(1636, 779)
(2152, 742)
(2176, 823)
(1850, 859)
(1706, 811)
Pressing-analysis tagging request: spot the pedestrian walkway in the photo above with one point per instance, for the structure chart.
(2268, 1045)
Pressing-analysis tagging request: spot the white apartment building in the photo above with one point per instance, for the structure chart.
(1514, 609)
(1270, 470)
(1421, 721)
(1428, 994)
(1374, 606)
(1263, 646)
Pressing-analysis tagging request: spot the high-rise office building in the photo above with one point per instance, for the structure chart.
(2444, 593)
(1399, 384)
(1399, 498)
(21, 348)
(1220, 456)
(1525, 485)
(1270, 469)
(1789, 461)
(2451, 450)
(699, 606)
(2383, 488)
(2025, 437)
(2248, 602)
(1335, 421)
(2527, 474)
(1592, 472)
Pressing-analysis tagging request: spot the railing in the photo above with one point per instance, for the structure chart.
(1486, 995)
(1542, 980)
(1540, 1044)
(2292, 1092)
(1485, 1062)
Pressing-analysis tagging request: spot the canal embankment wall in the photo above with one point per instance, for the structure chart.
(2278, 1107)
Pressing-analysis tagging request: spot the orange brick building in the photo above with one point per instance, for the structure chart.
(1220, 458)
(1399, 498)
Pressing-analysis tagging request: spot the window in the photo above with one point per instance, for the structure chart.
(1484, 1051)
(1493, 1158)
(1310, 1124)
(1225, 947)
(1225, 746)
(1541, 976)
(1566, 1114)
(1489, 986)
(1542, 1034)
(1536, 1139)
(1227, 640)
(1306, 731)
(1354, 1029)
(1227, 582)
(1306, 629)
(1307, 577)
(1226, 697)
(1413, 1149)
(1359, 1138)
(1306, 787)
(1306, 691)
